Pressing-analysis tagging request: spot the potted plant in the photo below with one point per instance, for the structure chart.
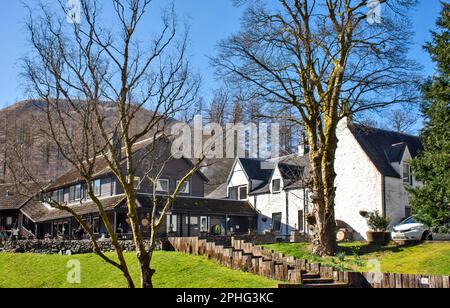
(378, 225)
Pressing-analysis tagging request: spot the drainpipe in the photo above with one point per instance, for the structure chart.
(287, 213)
(383, 192)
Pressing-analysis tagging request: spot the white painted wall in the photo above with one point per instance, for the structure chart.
(358, 183)
(238, 177)
(268, 204)
(397, 197)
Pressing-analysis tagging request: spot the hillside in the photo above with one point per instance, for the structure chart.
(21, 131)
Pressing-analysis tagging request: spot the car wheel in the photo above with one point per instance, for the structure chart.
(427, 236)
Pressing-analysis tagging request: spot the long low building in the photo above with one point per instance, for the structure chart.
(190, 215)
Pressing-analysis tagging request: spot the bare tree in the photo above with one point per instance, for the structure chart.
(326, 60)
(401, 120)
(79, 71)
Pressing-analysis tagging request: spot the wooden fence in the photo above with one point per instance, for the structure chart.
(257, 260)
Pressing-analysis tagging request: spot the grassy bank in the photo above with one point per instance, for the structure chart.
(425, 259)
(173, 270)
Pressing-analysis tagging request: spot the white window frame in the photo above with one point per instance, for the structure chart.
(159, 188)
(188, 183)
(407, 168)
(273, 186)
(208, 223)
(172, 220)
(137, 182)
(76, 198)
(99, 192)
(9, 221)
(239, 192)
(239, 198)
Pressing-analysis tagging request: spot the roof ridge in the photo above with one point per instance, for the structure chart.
(384, 130)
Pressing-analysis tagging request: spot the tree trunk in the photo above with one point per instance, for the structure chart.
(322, 219)
(145, 271)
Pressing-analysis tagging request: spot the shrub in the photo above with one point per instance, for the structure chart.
(377, 222)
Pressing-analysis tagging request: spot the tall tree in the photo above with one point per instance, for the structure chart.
(327, 59)
(431, 202)
(401, 120)
(78, 70)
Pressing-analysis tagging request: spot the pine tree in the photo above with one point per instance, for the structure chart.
(431, 203)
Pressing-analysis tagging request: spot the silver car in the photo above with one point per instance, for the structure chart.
(411, 230)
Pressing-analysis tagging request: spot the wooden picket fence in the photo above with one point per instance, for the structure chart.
(267, 263)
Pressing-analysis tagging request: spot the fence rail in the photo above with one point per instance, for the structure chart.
(247, 257)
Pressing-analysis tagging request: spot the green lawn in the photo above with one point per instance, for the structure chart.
(425, 259)
(173, 270)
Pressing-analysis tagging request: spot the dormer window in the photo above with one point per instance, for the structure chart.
(243, 193)
(58, 196)
(97, 187)
(75, 193)
(407, 174)
(238, 193)
(162, 185)
(185, 189)
(276, 186)
(233, 193)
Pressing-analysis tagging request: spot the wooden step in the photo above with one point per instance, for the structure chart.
(336, 285)
(310, 275)
(317, 280)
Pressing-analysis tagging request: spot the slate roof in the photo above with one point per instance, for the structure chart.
(203, 206)
(101, 167)
(385, 147)
(13, 197)
(38, 212)
(221, 192)
(293, 169)
(256, 169)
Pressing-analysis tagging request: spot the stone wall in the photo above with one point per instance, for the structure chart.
(64, 247)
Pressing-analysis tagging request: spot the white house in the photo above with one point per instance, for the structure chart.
(372, 168)
(275, 188)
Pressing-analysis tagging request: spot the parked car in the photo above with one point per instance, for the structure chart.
(411, 230)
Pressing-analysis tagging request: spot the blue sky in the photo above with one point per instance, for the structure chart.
(210, 21)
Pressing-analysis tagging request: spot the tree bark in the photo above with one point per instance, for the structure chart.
(322, 218)
(146, 272)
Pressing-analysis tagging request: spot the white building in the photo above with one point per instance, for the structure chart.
(372, 168)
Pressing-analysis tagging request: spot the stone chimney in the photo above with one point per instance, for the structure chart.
(303, 148)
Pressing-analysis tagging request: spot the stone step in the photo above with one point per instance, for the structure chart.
(336, 285)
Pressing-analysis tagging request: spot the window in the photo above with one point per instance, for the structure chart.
(233, 193)
(407, 174)
(408, 212)
(276, 221)
(301, 221)
(204, 224)
(96, 225)
(276, 186)
(243, 193)
(97, 187)
(238, 193)
(137, 183)
(9, 221)
(58, 196)
(171, 223)
(162, 185)
(75, 193)
(186, 188)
